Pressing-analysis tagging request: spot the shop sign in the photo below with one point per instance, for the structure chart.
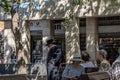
(1, 25)
(36, 25)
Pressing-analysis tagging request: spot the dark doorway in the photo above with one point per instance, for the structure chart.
(36, 46)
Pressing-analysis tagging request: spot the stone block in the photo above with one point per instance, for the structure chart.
(14, 77)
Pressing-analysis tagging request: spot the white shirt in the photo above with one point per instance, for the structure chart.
(88, 64)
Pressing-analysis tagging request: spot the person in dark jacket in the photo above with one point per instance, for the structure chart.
(53, 58)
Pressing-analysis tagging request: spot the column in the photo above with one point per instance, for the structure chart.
(26, 40)
(91, 36)
(9, 42)
(72, 39)
(46, 32)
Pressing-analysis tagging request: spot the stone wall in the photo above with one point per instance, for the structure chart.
(60, 9)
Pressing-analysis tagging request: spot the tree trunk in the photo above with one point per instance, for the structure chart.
(22, 38)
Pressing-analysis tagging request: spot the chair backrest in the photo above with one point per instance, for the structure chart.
(95, 76)
(14, 77)
(91, 69)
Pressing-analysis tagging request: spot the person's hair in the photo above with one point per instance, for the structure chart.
(103, 53)
(85, 56)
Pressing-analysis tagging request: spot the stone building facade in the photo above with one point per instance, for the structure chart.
(57, 10)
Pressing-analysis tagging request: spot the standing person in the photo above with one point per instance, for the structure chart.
(115, 70)
(74, 70)
(53, 58)
(104, 64)
(13, 58)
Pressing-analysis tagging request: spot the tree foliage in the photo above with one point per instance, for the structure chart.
(5, 4)
(113, 1)
(76, 2)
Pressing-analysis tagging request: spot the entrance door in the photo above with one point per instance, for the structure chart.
(36, 47)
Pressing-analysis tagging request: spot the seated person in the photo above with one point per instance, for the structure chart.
(87, 64)
(104, 64)
(74, 70)
(86, 58)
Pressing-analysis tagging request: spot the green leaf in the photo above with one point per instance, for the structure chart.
(76, 2)
(5, 4)
(113, 1)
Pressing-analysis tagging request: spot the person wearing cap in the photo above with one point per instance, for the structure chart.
(104, 64)
(53, 58)
(74, 70)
